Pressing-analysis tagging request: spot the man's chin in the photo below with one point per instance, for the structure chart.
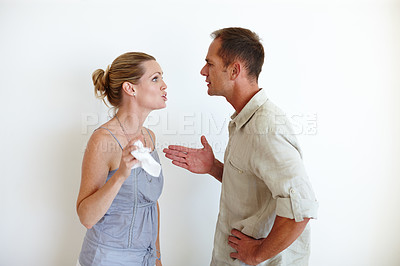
(211, 92)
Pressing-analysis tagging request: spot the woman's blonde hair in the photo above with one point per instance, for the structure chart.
(126, 67)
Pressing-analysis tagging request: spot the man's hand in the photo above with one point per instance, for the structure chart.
(199, 161)
(254, 251)
(246, 247)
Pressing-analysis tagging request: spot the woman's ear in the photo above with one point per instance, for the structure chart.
(129, 88)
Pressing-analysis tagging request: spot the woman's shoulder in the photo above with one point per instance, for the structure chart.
(152, 135)
(101, 138)
(150, 132)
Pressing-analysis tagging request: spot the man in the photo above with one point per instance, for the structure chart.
(266, 197)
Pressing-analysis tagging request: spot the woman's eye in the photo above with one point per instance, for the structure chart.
(155, 79)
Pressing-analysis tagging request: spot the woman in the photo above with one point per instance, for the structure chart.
(116, 203)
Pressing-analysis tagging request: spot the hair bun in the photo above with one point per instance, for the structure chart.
(100, 82)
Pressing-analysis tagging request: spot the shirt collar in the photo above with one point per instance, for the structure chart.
(249, 109)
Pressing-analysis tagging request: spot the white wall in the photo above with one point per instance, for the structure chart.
(333, 64)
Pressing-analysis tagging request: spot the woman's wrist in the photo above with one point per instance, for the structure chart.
(119, 177)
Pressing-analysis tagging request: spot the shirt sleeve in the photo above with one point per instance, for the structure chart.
(277, 161)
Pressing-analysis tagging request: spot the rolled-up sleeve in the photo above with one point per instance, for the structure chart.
(277, 161)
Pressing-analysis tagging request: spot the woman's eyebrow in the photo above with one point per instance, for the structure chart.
(157, 72)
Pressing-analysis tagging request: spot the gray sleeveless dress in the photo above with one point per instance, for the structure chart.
(127, 233)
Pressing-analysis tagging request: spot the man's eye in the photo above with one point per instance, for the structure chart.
(155, 79)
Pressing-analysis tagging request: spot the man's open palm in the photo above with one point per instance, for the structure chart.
(199, 161)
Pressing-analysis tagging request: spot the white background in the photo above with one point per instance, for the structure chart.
(335, 64)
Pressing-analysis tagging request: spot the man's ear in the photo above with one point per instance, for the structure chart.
(235, 70)
(128, 88)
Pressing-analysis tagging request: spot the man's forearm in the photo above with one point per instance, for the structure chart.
(283, 233)
(217, 170)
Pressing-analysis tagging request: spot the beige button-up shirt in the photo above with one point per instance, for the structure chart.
(263, 176)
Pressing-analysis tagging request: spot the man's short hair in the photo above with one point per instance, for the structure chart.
(242, 44)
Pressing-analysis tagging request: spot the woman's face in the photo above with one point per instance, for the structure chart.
(150, 91)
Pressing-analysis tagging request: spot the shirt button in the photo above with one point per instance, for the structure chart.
(292, 191)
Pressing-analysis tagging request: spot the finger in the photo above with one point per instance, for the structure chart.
(235, 255)
(233, 239)
(181, 148)
(233, 245)
(205, 143)
(175, 158)
(176, 153)
(133, 162)
(128, 155)
(183, 165)
(129, 148)
(238, 234)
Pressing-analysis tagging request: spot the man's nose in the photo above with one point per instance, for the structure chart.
(203, 71)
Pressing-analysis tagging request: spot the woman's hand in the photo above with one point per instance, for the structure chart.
(127, 160)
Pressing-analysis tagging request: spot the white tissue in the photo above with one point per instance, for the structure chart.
(146, 161)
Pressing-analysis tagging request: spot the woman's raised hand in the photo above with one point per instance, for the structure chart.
(127, 159)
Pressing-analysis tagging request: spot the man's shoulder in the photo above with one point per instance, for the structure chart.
(269, 118)
(270, 107)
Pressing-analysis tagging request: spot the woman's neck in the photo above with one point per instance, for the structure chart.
(132, 119)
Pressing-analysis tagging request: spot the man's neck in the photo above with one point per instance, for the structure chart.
(242, 95)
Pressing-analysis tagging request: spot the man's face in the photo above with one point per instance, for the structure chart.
(214, 70)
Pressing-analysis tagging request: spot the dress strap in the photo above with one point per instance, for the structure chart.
(112, 135)
(154, 145)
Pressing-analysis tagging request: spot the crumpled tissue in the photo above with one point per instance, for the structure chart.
(146, 161)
